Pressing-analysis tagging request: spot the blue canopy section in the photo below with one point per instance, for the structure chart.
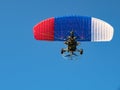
(81, 26)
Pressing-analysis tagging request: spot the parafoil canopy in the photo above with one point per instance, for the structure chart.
(85, 29)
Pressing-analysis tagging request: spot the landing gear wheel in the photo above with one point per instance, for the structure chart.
(81, 51)
(62, 51)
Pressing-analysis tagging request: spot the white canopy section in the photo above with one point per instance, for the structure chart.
(100, 30)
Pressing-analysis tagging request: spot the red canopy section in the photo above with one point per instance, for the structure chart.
(44, 30)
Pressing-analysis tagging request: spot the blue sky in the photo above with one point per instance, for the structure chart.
(27, 64)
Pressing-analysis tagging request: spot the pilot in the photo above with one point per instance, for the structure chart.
(71, 42)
